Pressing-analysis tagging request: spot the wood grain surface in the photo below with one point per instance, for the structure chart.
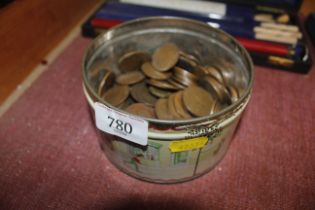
(29, 31)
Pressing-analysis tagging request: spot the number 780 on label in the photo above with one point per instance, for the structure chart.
(131, 128)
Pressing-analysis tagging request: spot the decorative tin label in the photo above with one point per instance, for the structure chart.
(120, 124)
(190, 144)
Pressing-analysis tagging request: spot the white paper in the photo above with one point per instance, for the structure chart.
(131, 128)
(184, 5)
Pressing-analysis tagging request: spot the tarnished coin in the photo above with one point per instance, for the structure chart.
(151, 72)
(132, 61)
(116, 95)
(130, 78)
(106, 82)
(165, 57)
(161, 84)
(142, 110)
(161, 109)
(216, 107)
(126, 103)
(179, 105)
(141, 94)
(189, 57)
(172, 108)
(160, 93)
(216, 88)
(233, 93)
(176, 84)
(214, 72)
(198, 101)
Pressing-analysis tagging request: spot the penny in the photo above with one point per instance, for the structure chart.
(186, 63)
(106, 82)
(161, 109)
(141, 94)
(179, 105)
(116, 95)
(132, 61)
(233, 93)
(130, 78)
(189, 57)
(197, 101)
(176, 84)
(172, 108)
(161, 84)
(160, 93)
(126, 103)
(141, 109)
(214, 72)
(216, 107)
(165, 57)
(216, 88)
(151, 72)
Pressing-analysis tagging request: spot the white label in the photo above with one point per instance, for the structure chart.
(120, 124)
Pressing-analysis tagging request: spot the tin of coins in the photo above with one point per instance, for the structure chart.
(151, 72)
(179, 105)
(165, 57)
(132, 61)
(141, 94)
(130, 78)
(141, 109)
(106, 82)
(161, 109)
(116, 95)
(161, 84)
(198, 101)
(160, 93)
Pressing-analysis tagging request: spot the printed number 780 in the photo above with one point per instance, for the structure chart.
(120, 125)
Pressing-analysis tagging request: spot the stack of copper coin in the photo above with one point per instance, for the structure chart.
(169, 84)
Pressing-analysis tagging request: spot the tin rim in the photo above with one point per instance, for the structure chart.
(108, 35)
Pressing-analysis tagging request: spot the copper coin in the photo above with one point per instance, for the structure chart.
(130, 78)
(106, 82)
(132, 61)
(233, 93)
(216, 107)
(198, 101)
(141, 109)
(151, 72)
(214, 72)
(186, 63)
(116, 95)
(179, 105)
(126, 103)
(190, 57)
(171, 107)
(165, 57)
(161, 84)
(141, 94)
(161, 109)
(176, 84)
(216, 88)
(160, 93)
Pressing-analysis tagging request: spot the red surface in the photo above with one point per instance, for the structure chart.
(50, 157)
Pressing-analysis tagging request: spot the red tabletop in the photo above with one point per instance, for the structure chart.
(50, 157)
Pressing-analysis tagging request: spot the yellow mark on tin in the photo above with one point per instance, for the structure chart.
(189, 144)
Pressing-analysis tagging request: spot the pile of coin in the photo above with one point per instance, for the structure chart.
(169, 84)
